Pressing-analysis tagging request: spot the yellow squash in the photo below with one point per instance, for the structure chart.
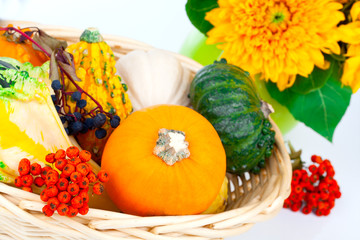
(95, 66)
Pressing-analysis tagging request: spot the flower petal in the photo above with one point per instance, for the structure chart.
(351, 75)
(355, 11)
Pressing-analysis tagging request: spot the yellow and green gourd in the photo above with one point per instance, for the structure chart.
(95, 66)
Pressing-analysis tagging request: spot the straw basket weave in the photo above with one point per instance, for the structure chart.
(252, 198)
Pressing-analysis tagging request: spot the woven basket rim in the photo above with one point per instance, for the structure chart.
(228, 223)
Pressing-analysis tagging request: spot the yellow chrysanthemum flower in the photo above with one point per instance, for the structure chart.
(351, 34)
(278, 38)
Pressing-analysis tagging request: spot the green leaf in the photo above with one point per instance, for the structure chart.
(316, 79)
(196, 10)
(320, 109)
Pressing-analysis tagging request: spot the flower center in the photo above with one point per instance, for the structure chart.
(278, 17)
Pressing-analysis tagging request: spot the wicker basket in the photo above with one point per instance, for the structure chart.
(252, 198)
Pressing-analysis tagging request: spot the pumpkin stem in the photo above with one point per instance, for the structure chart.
(91, 35)
(171, 146)
(266, 108)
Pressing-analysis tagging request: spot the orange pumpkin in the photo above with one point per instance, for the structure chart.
(164, 160)
(23, 52)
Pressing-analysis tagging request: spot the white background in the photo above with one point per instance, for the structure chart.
(164, 24)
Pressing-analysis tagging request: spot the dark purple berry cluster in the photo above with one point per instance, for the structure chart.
(79, 120)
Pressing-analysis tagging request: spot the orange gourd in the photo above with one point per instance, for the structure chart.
(22, 51)
(153, 171)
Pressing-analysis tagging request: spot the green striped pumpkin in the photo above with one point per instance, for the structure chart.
(226, 96)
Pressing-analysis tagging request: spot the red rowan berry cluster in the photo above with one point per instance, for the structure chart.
(67, 184)
(28, 175)
(314, 190)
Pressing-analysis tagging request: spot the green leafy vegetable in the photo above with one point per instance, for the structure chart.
(196, 11)
(321, 104)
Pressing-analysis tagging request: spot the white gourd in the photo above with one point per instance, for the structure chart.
(154, 77)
